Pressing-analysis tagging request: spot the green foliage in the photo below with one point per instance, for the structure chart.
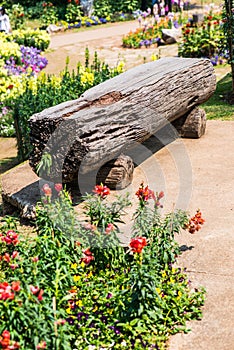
(49, 15)
(73, 13)
(102, 8)
(75, 286)
(34, 11)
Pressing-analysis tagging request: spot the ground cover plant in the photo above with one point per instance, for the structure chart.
(75, 286)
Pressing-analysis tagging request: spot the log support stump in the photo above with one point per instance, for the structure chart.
(192, 125)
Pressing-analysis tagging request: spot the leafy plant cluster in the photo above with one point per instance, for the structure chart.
(76, 286)
(204, 40)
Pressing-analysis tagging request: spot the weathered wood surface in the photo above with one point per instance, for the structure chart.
(83, 134)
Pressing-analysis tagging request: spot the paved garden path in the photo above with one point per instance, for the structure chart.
(107, 41)
(194, 174)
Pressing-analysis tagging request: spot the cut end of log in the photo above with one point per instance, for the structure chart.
(192, 125)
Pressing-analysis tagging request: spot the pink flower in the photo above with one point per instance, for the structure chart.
(110, 227)
(47, 190)
(34, 290)
(88, 256)
(58, 187)
(35, 258)
(13, 266)
(41, 345)
(10, 238)
(14, 254)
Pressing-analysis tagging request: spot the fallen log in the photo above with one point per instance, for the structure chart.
(84, 134)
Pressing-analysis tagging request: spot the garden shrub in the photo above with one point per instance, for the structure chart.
(17, 16)
(75, 286)
(203, 40)
(36, 38)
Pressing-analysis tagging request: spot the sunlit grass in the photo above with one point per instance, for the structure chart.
(216, 107)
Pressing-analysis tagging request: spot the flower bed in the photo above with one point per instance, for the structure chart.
(150, 32)
(75, 286)
(204, 40)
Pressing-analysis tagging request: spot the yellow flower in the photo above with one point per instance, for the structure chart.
(95, 309)
(74, 266)
(179, 295)
(154, 57)
(87, 78)
(68, 310)
(79, 303)
(164, 274)
(82, 264)
(172, 280)
(120, 67)
(76, 278)
(90, 274)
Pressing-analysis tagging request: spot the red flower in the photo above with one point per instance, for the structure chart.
(39, 297)
(195, 222)
(10, 238)
(88, 256)
(137, 244)
(6, 292)
(37, 292)
(47, 190)
(144, 193)
(10, 87)
(6, 257)
(58, 187)
(101, 190)
(6, 334)
(15, 285)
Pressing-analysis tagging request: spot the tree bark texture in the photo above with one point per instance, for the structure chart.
(84, 134)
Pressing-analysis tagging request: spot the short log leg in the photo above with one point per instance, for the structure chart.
(192, 125)
(116, 174)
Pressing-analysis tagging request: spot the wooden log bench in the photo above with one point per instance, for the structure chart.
(93, 132)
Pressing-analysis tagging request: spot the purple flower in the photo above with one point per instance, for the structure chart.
(109, 295)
